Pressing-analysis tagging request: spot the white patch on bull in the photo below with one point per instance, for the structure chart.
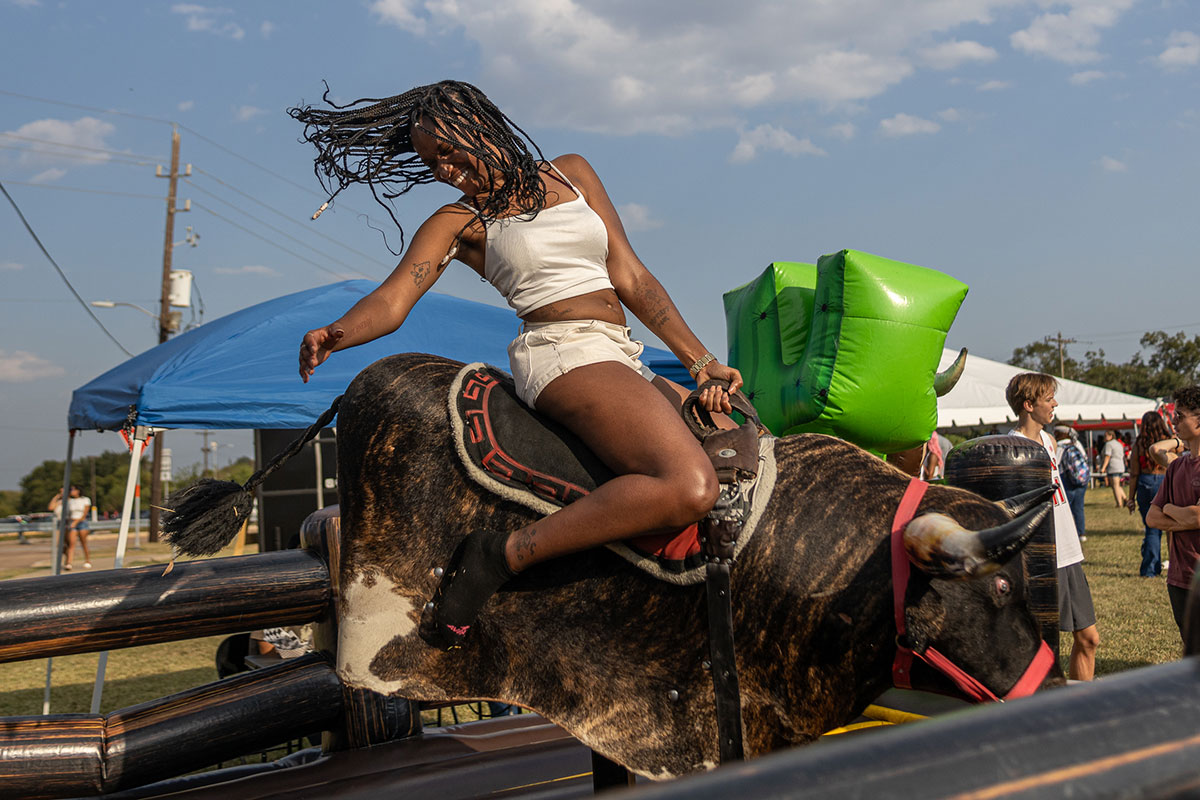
(371, 614)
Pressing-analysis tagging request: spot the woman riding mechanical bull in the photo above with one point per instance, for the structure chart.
(547, 236)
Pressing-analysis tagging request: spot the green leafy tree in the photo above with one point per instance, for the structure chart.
(10, 502)
(110, 470)
(1170, 361)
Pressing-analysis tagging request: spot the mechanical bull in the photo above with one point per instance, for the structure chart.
(619, 658)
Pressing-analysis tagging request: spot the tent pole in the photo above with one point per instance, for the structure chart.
(60, 536)
(135, 460)
(320, 472)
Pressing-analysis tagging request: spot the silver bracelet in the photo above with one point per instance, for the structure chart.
(701, 363)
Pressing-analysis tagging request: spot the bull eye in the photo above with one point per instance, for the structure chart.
(1002, 585)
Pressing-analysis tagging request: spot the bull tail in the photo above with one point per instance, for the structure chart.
(203, 518)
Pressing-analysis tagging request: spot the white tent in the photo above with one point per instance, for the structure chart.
(978, 398)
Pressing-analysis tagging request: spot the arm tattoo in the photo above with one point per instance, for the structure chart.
(524, 544)
(419, 273)
(656, 308)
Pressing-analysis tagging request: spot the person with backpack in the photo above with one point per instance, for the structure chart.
(1074, 471)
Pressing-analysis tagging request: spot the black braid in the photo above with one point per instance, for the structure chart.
(372, 144)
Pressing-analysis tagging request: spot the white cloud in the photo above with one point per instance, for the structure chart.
(1073, 37)
(953, 54)
(208, 20)
(247, 113)
(843, 130)
(907, 125)
(1110, 164)
(26, 3)
(771, 138)
(950, 115)
(626, 66)
(186, 105)
(79, 139)
(1086, 77)
(266, 29)
(10, 266)
(21, 366)
(249, 269)
(637, 217)
(994, 86)
(48, 175)
(1183, 50)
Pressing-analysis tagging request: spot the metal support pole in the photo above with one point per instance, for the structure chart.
(64, 519)
(135, 460)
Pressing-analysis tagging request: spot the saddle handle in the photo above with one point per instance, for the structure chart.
(700, 421)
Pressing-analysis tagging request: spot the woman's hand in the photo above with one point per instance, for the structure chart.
(713, 398)
(1131, 502)
(316, 347)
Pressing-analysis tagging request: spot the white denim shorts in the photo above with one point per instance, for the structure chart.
(547, 350)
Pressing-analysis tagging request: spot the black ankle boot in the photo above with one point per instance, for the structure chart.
(477, 569)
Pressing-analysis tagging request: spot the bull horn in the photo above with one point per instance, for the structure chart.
(1020, 503)
(940, 547)
(945, 380)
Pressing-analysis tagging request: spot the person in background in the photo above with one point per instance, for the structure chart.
(78, 507)
(1112, 465)
(1176, 507)
(1145, 476)
(1065, 437)
(1031, 397)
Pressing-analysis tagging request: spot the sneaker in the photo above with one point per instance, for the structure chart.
(87, 565)
(67, 567)
(1083, 538)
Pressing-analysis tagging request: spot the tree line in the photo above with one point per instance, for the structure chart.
(1171, 360)
(111, 471)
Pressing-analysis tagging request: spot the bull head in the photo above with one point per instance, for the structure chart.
(941, 547)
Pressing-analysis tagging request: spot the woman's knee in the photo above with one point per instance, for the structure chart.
(694, 490)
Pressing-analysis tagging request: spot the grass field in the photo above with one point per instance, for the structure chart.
(1134, 619)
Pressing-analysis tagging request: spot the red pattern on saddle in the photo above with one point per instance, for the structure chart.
(476, 389)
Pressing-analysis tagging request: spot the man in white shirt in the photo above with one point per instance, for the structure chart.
(1031, 397)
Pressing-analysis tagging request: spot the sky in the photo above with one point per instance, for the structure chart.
(1045, 153)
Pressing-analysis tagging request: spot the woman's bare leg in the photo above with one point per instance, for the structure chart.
(664, 480)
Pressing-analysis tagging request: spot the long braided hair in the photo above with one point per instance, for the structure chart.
(370, 141)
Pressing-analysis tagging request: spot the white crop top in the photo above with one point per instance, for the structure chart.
(560, 253)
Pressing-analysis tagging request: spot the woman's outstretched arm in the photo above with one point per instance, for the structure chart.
(385, 309)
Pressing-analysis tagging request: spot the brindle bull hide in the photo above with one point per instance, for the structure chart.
(616, 657)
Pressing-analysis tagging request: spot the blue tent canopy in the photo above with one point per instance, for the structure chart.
(240, 371)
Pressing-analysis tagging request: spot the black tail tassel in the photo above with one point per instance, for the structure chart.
(205, 517)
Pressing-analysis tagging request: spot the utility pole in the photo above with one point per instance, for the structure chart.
(1060, 341)
(165, 322)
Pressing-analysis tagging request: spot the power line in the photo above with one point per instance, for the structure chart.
(284, 234)
(243, 228)
(92, 109)
(62, 274)
(197, 134)
(289, 218)
(86, 191)
(76, 156)
(77, 146)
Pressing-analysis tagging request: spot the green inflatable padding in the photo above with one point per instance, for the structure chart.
(848, 347)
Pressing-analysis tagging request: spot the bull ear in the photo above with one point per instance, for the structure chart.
(942, 548)
(945, 380)
(1020, 503)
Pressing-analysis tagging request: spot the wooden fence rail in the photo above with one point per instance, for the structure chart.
(112, 609)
